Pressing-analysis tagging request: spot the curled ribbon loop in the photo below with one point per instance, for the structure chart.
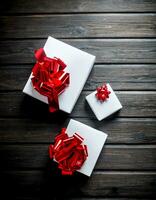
(49, 78)
(102, 93)
(69, 152)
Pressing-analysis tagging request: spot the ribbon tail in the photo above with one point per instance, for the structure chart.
(65, 172)
(53, 102)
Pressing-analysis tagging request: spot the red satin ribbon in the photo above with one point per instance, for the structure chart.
(102, 93)
(69, 152)
(49, 78)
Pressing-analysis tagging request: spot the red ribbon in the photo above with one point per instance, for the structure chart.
(102, 93)
(69, 152)
(49, 78)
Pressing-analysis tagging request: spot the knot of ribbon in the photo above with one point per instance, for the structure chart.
(102, 93)
(69, 152)
(49, 78)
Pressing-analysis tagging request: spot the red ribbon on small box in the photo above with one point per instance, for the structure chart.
(69, 152)
(49, 78)
(102, 93)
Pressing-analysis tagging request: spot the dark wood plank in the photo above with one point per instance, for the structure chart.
(102, 184)
(106, 50)
(86, 198)
(92, 198)
(120, 130)
(83, 198)
(37, 6)
(78, 26)
(135, 104)
(112, 157)
(121, 77)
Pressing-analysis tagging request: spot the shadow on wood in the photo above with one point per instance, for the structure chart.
(35, 109)
(48, 184)
(57, 186)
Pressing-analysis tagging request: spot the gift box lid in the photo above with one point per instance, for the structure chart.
(94, 139)
(79, 65)
(105, 108)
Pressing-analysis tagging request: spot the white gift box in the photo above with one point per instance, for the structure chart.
(79, 65)
(106, 108)
(94, 139)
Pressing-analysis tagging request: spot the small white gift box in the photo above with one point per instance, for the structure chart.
(94, 139)
(79, 65)
(106, 108)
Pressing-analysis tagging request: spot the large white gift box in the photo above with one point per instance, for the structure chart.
(94, 139)
(79, 65)
(106, 108)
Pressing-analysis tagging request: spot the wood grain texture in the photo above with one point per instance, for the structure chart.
(86, 198)
(135, 104)
(119, 130)
(112, 157)
(102, 184)
(37, 6)
(106, 50)
(121, 77)
(82, 198)
(122, 35)
(92, 198)
(78, 26)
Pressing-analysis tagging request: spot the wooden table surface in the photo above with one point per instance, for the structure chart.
(122, 34)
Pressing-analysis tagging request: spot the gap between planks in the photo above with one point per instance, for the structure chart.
(78, 13)
(113, 172)
(108, 146)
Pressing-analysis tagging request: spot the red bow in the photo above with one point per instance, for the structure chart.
(102, 93)
(49, 78)
(69, 152)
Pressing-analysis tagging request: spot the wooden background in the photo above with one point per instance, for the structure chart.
(122, 34)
